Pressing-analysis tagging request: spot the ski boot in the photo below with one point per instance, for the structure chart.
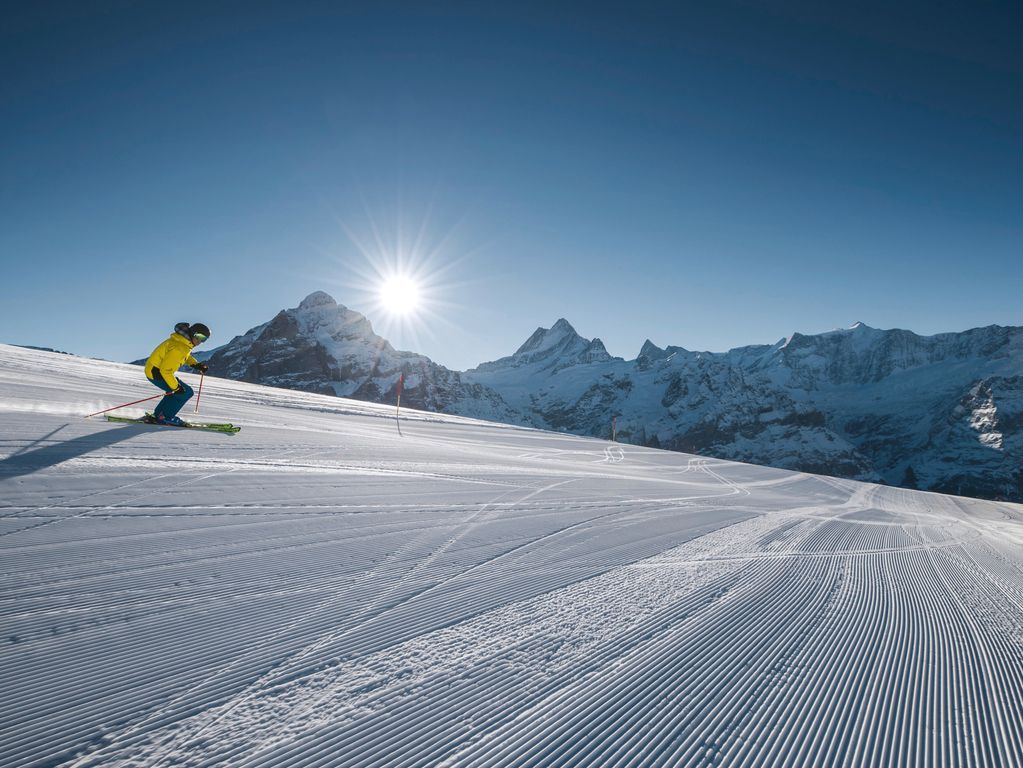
(164, 421)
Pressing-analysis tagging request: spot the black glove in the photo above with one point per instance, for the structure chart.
(200, 367)
(180, 390)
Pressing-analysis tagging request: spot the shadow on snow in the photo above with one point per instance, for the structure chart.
(25, 462)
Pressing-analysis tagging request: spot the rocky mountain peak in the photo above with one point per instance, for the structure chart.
(651, 351)
(318, 300)
(551, 349)
(544, 338)
(322, 346)
(562, 326)
(318, 314)
(595, 352)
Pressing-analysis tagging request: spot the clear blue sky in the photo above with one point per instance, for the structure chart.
(701, 174)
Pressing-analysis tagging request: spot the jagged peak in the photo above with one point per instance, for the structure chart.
(649, 349)
(795, 336)
(319, 313)
(563, 326)
(548, 337)
(317, 300)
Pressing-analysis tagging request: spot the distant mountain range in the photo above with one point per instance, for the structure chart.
(940, 412)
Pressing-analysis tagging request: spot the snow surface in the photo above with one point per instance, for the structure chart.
(324, 590)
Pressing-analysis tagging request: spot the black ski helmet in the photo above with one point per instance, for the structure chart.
(195, 328)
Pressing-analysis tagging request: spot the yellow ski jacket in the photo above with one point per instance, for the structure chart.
(170, 356)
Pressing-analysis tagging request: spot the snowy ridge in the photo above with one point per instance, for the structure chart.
(322, 590)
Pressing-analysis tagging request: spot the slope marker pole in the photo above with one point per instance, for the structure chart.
(397, 407)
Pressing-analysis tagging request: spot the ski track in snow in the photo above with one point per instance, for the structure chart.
(319, 590)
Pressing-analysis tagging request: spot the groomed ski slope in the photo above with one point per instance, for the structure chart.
(320, 590)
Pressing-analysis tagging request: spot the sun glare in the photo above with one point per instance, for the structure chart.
(399, 295)
(401, 283)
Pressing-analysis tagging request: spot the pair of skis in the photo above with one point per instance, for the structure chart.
(207, 426)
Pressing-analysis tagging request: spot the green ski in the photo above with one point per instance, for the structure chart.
(207, 426)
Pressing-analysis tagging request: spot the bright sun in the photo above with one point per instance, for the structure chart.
(399, 295)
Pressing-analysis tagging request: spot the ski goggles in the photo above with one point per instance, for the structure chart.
(199, 337)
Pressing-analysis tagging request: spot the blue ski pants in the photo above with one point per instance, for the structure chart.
(170, 405)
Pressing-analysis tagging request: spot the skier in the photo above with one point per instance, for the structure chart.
(164, 363)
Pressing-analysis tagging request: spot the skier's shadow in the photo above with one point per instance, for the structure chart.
(26, 462)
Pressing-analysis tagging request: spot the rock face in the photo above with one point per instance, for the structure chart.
(940, 412)
(321, 346)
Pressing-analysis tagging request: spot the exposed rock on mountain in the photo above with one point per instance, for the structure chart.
(321, 346)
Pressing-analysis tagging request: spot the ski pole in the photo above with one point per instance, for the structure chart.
(125, 405)
(199, 394)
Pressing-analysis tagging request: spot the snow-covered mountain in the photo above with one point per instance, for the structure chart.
(321, 346)
(546, 353)
(552, 350)
(940, 412)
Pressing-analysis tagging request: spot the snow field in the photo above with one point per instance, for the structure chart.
(320, 590)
